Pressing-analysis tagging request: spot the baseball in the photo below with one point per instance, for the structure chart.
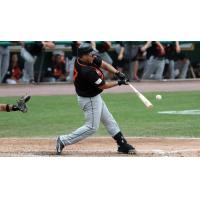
(158, 97)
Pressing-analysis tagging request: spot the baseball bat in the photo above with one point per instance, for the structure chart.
(146, 102)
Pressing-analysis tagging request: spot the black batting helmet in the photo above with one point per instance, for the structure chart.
(85, 49)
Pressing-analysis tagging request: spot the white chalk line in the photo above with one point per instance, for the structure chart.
(181, 112)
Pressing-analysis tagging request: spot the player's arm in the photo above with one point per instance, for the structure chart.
(111, 69)
(108, 85)
(93, 44)
(100, 83)
(122, 51)
(161, 47)
(108, 67)
(20, 106)
(146, 46)
(178, 48)
(48, 44)
(104, 65)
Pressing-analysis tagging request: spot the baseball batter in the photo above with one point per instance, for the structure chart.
(89, 83)
(20, 106)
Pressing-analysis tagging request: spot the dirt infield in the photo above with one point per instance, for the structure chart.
(101, 147)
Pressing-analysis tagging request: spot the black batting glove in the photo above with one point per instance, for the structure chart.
(123, 82)
(120, 75)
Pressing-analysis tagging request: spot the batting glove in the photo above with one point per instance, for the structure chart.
(123, 82)
(120, 75)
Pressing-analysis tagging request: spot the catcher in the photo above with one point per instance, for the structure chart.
(19, 106)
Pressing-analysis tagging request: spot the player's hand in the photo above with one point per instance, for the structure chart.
(123, 82)
(120, 75)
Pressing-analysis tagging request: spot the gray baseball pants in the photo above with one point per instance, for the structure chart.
(4, 61)
(181, 66)
(71, 69)
(95, 111)
(28, 72)
(154, 69)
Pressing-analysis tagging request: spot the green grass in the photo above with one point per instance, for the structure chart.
(54, 115)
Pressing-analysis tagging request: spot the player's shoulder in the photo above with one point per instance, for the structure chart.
(97, 61)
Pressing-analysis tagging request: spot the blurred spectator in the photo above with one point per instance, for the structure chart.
(156, 62)
(140, 60)
(103, 48)
(119, 55)
(93, 44)
(131, 56)
(130, 53)
(125, 53)
(29, 53)
(74, 46)
(57, 72)
(178, 62)
(14, 72)
(4, 61)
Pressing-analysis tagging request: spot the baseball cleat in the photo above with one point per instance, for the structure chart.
(59, 146)
(132, 151)
(126, 149)
(21, 103)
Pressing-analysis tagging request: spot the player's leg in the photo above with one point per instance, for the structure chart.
(171, 69)
(160, 65)
(113, 129)
(131, 71)
(142, 65)
(71, 69)
(149, 69)
(1, 56)
(184, 68)
(29, 61)
(135, 70)
(92, 110)
(5, 62)
(108, 121)
(29, 70)
(26, 55)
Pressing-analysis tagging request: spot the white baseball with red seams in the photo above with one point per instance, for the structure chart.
(158, 97)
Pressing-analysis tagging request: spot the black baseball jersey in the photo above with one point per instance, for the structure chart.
(155, 51)
(88, 77)
(35, 48)
(171, 54)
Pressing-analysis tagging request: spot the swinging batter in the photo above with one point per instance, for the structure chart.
(89, 83)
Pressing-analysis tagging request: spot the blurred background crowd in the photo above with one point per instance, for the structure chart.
(49, 61)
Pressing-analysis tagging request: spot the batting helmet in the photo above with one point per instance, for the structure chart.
(85, 49)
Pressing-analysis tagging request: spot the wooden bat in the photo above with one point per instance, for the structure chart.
(146, 102)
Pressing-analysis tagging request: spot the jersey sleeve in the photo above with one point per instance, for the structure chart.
(94, 78)
(97, 61)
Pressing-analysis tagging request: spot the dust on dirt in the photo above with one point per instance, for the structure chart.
(101, 147)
